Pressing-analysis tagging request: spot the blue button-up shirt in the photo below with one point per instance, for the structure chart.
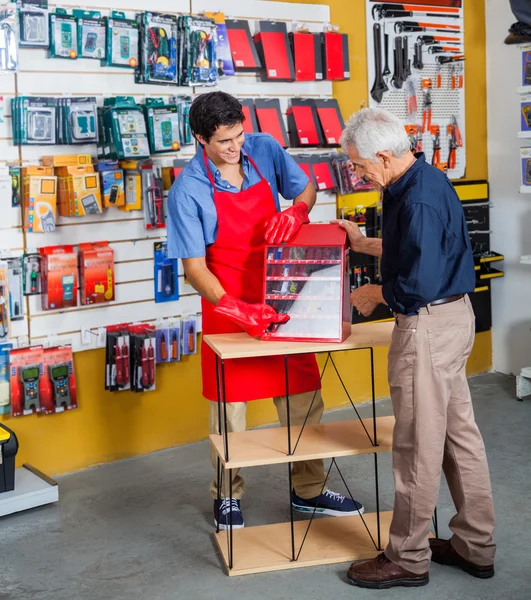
(192, 222)
(427, 253)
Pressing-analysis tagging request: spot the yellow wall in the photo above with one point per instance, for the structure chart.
(109, 426)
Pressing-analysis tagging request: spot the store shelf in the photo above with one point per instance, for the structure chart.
(330, 540)
(300, 297)
(524, 89)
(302, 278)
(324, 440)
(240, 345)
(525, 189)
(524, 134)
(493, 274)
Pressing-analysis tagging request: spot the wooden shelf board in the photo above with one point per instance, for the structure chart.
(330, 540)
(325, 440)
(240, 345)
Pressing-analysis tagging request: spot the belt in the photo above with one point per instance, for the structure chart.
(454, 298)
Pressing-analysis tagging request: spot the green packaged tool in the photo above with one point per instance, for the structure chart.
(63, 35)
(34, 31)
(122, 41)
(163, 123)
(34, 120)
(158, 49)
(91, 34)
(79, 120)
(183, 104)
(198, 57)
(125, 126)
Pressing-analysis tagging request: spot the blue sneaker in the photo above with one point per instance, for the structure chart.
(328, 503)
(223, 508)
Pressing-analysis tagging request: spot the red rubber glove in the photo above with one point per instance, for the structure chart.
(252, 318)
(286, 224)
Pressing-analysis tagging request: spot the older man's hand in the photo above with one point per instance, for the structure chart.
(355, 237)
(366, 298)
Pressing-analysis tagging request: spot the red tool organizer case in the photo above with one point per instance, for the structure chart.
(250, 125)
(242, 48)
(331, 120)
(270, 120)
(274, 51)
(307, 56)
(335, 56)
(303, 123)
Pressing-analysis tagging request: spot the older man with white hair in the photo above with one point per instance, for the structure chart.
(427, 271)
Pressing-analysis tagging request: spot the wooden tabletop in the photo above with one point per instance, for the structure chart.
(240, 345)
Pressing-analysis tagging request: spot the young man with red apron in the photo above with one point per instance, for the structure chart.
(221, 210)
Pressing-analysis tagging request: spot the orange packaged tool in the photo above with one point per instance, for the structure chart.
(59, 277)
(96, 271)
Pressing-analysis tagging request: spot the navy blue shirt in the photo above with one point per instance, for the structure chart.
(427, 253)
(192, 222)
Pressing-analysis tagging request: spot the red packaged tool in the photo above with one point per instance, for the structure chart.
(96, 273)
(59, 369)
(250, 125)
(323, 173)
(243, 50)
(142, 359)
(59, 277)
(178, 166)
(331, 120)
(335, 55)
(307, 56)
(303, 123)
(117, 358)
(274, 51)
(305, 163)
(270, 119)
(313, 288)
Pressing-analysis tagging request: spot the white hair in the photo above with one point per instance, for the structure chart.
(373, 130)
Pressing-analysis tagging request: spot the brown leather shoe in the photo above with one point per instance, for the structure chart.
(443, 553)
(381, 573)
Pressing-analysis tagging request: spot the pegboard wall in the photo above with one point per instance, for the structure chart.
(40, 75)
(449, 27)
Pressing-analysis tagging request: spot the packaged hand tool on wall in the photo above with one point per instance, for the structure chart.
(79, 191)
(164, 124)
(34, 29)
(166, 276)
(125, 126)
(91, 34)
(336, 59)
(162, 335)
(39, 199)
(143, 343)
(16, 287)
(59, 277)
(347, 180)
(274, 50)
(16, 186)
(323, 172)
(158, 49)
(58, 366)
(8, 39)
(525, 112)
(199, 59)
(132, 184)
(31, 272)
(189, 335)
(331, 120)
(111, 183)
(303, 123)
(250, 124)
(525, 159)
(152, 197)
(305, 163)
(225, 64)
(63, 35)
(270, 120)
(178, 166)
(28, 384)
(5, 398)
(5, 321)
(183, 104)
(122, 41)
(174, 339)
(78, 120)
(34, 120)
(6, 192)
(307, 55)
(96, 273)
(117, 358)
(244, 54)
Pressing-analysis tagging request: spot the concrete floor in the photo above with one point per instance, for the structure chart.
(140, 529)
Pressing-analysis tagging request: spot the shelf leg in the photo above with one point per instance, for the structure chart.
(219, 493)
(377, 487)
(225, 427)
(286, 371)
(293, 559)
(218, 381)
(230, 521)
(373, 396)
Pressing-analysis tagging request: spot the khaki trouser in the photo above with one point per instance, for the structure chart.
(435, 428)
(307, 477)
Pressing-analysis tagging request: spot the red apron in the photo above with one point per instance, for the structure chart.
(237, 259)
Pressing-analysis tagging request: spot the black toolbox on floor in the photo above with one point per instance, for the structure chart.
(8, 451)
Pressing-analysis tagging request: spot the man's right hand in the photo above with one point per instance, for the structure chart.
(355, 237)
(252, 318)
